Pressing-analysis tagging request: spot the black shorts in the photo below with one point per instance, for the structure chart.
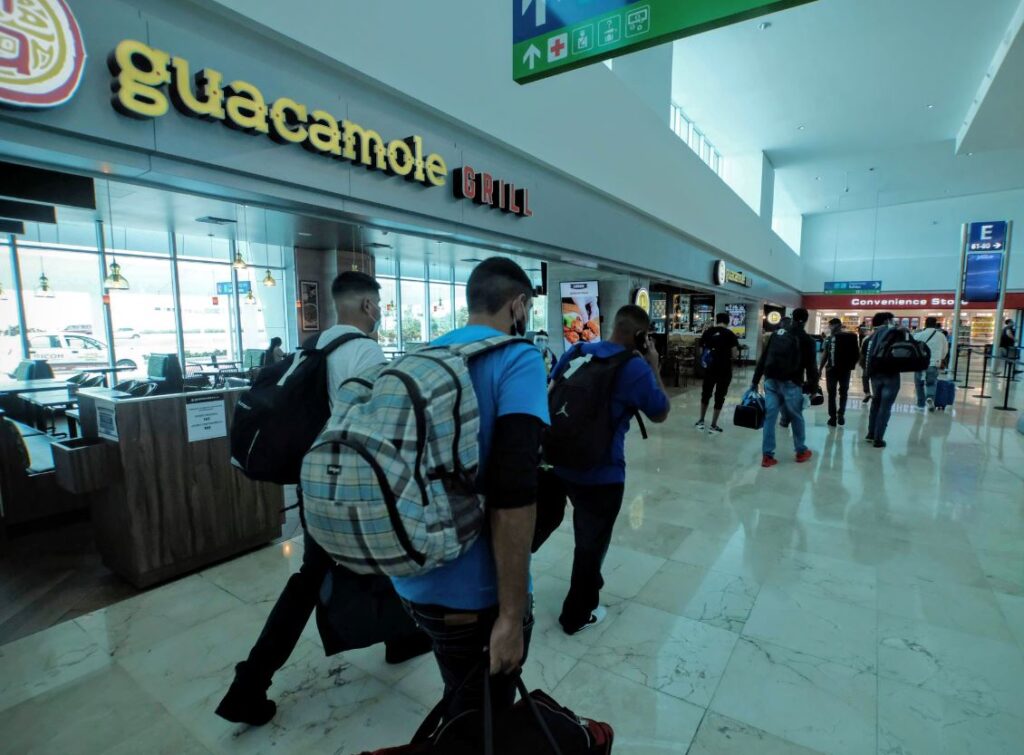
(716, 382)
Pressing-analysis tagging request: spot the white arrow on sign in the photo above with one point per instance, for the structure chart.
(530, 58)
(540, 11)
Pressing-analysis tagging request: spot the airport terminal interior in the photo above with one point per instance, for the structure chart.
(780, 233)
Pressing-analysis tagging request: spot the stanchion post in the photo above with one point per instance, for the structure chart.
(1006, 401)
(967, 375)
(984, 372)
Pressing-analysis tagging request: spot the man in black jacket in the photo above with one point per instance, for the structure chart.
(838, 358)
(786, 363)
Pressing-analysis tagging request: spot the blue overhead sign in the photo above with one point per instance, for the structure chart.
(853, 287)
(533, 17)
(224, 287)
(987, 237)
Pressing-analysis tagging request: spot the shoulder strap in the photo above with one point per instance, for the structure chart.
(337, 343)
(483, 346)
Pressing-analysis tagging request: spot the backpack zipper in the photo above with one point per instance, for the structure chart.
(419, 409)
(460, 470)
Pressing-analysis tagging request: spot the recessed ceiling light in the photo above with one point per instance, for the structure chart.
(305, 233)
(828, 207)
(817, 178)
(764, 25)
(970, 154)
(871, 170)
(931, 107)
(800, 128)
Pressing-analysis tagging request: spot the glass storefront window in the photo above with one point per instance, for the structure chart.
(539, 313)
(64, 308)
(10, 332)
(142, 316)
(264, 314)
(414, 323)
(387, 334)
(441, 311)
(207, 318)
(461, 308)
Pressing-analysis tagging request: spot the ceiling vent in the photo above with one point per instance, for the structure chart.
(214, 220)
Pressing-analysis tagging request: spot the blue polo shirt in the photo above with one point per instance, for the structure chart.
(636, 389)
(507, 381)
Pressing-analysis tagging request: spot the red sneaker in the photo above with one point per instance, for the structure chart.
(803, 456)
(768, 461)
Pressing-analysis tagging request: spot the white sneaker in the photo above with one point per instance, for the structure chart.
(600, 614)
(931, 403)
(699, 425)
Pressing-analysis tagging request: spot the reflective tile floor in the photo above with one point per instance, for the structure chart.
(866, 602)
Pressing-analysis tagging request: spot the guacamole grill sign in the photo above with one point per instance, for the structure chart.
(147, 80)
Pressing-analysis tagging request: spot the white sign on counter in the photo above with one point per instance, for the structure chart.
(106, 420)
(205, 417)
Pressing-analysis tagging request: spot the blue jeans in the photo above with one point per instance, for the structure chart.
(788, 397)
(924, 383)
(884, 389)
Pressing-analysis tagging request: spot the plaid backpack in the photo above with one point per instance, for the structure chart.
(389, 487)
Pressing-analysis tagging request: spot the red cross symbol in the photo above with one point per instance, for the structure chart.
(556, 48)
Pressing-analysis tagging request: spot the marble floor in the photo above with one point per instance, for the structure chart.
(866, 602)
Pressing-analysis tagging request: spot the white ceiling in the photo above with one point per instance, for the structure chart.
(858, 76)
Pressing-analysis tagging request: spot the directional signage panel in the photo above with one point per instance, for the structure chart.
(853, 287)
(225, 287)
(987, 237)
(553, 36)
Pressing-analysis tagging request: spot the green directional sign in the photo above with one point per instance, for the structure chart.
(554, 36)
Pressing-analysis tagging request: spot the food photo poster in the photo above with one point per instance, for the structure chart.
(581, 313)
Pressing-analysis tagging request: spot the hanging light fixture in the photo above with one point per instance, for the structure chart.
(268, 279)
(43, 290)
(250, 298)
(239, 262)
(114, 279)
(3, 292)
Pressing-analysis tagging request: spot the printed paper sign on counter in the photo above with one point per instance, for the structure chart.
(205, 417)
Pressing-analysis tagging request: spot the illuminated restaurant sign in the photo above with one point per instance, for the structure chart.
(147, 80)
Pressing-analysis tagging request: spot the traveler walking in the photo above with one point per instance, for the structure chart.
(619, 378)
(357, 299)
(482, 599)
(788, 366)
(274, 354)
(885, 386)
(719, 346)
(1007, 338)
(938, 348)
(838, 358)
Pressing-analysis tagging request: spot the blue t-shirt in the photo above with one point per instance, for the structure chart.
(636, 389)
(507, 381)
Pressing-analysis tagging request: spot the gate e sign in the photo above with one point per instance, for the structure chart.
(553, 36)
(987, 237)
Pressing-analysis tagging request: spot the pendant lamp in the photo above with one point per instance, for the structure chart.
(43, 290)
(268, 279)
(114, 279)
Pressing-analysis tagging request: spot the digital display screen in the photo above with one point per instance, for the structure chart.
(737, 319)
(581, 315)
(981, 278)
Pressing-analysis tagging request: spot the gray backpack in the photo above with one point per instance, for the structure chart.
(389, 487)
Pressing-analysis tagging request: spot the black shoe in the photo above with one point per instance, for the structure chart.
(831, 422)
(879, 444)
(842, 420)
(870, 438)
(406, 648)
(716, 429)
(245, 705)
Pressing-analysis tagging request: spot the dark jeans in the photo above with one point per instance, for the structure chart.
(884, 389)
(287, 619)
(460, 639)
(837, 378)
(594, 511)
(716, 381)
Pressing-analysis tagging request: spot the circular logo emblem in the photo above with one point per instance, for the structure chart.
(41, 53)
(774, 318)
(643, 300)
(720, 273)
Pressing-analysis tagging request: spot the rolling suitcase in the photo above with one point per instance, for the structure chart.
(945, 393)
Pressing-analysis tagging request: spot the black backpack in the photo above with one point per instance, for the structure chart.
(900, 352)
(847, 350)
(277, 420)
(782, 357)
(579, 402)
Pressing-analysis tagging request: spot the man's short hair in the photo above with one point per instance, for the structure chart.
(880, 319)
(931, 322)
(353, 283)
(835, 321)
(494, 283)
(800, 315)
(722, 318)
(632, 318)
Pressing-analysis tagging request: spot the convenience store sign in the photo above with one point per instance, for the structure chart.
(554, 36)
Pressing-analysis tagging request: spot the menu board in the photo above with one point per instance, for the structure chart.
(581, 314)
(737, 318)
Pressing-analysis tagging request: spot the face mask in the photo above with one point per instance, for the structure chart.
(376, 320)
(541, 343)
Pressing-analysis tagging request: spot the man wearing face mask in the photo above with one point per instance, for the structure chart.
(357, 302)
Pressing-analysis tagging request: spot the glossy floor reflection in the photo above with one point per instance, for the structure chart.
(866, 602)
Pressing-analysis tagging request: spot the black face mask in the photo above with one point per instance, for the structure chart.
(518, 326)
